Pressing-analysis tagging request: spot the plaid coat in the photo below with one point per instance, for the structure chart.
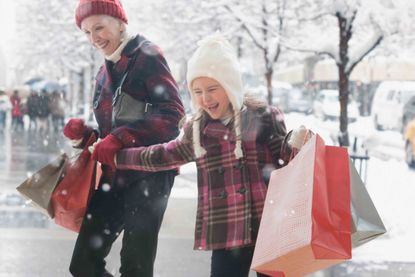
(148, 80)
(231, 192)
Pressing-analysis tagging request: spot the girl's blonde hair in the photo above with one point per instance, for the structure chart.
(251, 102)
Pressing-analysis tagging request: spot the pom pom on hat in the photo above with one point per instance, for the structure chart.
(216, 58)
(87, 8)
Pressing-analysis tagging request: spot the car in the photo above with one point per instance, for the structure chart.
(388, 102)
(279, 93)
(298, 101)
(326, 106)
(408, 112)
(410, 143)
(14, 199)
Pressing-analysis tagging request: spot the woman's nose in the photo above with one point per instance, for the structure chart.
(94, 37)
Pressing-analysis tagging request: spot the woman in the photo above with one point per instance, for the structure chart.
(17, 112)
(235, 143)
(129, 201)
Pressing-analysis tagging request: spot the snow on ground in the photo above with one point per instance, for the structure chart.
(391, 184)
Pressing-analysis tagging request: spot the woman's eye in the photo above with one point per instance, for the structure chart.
(211, 90)
(98, 28)
(197, 92)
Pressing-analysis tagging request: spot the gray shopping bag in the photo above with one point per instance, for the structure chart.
(40, 185)
(366, 222)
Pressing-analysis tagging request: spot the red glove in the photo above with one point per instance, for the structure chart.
(75, 129)
(106, 149)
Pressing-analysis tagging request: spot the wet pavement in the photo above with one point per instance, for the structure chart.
(31, 245)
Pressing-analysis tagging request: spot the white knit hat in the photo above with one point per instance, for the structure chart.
(215, 58)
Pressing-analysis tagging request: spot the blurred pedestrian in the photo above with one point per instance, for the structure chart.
(5, 106)
(33, 105)
(57, 107)
(43, 112)
(235, 142)
(136, 102)
(17, 113)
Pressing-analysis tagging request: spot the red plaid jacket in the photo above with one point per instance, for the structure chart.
(231, 192)
(148, 80)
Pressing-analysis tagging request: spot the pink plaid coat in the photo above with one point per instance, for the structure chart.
(231, 192)
(149, 80)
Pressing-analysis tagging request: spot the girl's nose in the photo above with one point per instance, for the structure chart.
(206, 98)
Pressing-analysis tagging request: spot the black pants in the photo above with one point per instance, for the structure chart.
(137, 209)
(232, 263)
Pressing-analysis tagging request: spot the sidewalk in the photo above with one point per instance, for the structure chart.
(46, 252)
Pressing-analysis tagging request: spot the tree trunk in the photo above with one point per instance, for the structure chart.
(344, 98)
(345, 34)
(268, 77)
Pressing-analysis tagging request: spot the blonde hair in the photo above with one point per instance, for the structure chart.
(251, 102)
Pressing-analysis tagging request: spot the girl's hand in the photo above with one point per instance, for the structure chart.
(299, 137)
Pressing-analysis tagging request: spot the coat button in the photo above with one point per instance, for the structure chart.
(223, 194)
(96, 103)
(221, 170)
(242, 190)
(239, 165)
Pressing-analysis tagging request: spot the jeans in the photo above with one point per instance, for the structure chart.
(137, 209)
(232, 263)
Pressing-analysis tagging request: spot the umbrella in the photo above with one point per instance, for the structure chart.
(33, 80)
(45, 85)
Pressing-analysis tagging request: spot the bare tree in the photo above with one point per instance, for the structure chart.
(360, 29)
(264, 23)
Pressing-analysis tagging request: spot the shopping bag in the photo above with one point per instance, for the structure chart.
(71, 196)
(305, 224)
(39, 187)
(366, 223)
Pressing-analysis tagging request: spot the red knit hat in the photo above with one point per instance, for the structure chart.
(87, 8)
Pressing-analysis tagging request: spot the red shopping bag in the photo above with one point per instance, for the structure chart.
(71, 196)
(305, 224)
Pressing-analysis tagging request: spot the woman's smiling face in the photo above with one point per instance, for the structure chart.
(103, 32)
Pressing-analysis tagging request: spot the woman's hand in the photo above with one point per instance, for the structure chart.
(104, 150)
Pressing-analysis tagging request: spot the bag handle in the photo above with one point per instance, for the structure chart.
(294, 151)
(118, 91)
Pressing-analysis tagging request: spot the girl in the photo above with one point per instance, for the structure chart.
(235, 143)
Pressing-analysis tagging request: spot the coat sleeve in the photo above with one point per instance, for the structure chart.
(162, 92)
(280, 154)
(159, 157)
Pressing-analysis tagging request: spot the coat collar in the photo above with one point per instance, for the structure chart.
(116, 56)
(127, 55)
(216, 129)
(133, 45)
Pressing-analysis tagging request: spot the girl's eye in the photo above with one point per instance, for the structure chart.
(98, 28)
(211, 89)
